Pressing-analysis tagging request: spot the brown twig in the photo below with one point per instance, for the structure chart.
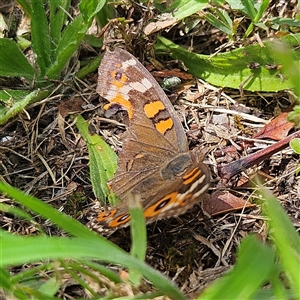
(233, 168)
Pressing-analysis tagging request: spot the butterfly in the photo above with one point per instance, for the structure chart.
(155, 162)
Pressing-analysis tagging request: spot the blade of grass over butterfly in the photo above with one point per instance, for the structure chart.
(231, 69)
(138, 235)
(103, 160)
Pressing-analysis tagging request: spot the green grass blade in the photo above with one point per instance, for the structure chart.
(184, 8)
(89, 8)
(5, 281)
(250, 8)
(138, 236)
(255, 261)
(58, 18)
(221, 24)
(64, 221)
(262, 8)
(73, 35)
(16, 100)
(41, 248)
(40, 35)
(285, 238)
(89, 68)
(15, 211)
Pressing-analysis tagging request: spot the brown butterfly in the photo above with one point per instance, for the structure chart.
(155, 161)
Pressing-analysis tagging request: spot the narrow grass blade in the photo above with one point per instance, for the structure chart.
(138, 236)
(41, 248)
(15, 101)
(255, 261)
(40, 35)
(285, 238)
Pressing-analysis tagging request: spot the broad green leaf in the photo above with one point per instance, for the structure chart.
(15, 101)
(103, 160)
(295, 145)
(254, 265)
(231, 69)
(13, 62)
(40, 35)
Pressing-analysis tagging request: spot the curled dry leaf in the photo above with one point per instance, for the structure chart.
(159, 25)
(221, 202)
(277, 129)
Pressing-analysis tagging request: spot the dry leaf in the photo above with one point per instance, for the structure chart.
(221, 202)
(277, 129)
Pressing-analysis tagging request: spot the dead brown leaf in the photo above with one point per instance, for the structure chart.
(221, 202)
(277, 129)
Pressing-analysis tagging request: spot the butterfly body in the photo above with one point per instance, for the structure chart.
(155, 162)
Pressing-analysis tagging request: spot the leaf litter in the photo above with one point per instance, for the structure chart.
(43, 154)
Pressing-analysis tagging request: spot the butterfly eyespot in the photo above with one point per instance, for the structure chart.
(120, 220)
(161, 205)
(123, 218)
(105, 215)
(155, 209)
(118, 75)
